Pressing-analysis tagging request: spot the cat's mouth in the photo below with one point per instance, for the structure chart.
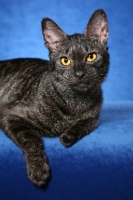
(83, 87)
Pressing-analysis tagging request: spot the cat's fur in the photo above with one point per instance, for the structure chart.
(44, 98)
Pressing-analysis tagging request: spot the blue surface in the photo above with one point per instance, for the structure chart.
(21, 36)
(98, 167)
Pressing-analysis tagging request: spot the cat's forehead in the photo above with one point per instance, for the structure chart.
(78, 42)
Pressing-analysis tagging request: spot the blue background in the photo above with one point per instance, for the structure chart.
(21, 36)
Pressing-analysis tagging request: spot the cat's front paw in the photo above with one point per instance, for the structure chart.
(67, 139)
(39, 174)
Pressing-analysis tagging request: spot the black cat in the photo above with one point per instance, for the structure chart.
(58, 97)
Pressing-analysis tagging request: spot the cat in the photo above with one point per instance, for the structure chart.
(61, 97)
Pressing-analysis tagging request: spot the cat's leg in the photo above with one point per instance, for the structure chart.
(77, 131)
(28, 139)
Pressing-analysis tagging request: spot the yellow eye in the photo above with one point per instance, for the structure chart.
(65, 61)
(91, 57)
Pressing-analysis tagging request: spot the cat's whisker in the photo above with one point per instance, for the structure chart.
(119, 75)
(116, 88)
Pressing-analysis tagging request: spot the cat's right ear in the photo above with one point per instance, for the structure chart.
(52, 33)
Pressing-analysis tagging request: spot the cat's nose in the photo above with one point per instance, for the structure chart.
(79, 74)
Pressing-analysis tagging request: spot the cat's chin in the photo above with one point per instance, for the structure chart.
(82, 87)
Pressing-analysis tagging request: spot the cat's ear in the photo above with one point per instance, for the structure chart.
(52, 33)
(98, 26)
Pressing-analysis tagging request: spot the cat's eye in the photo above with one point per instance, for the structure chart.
(91, 57)
(65, 61)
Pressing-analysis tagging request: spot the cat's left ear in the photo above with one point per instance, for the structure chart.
(98, 26)
(52, 33)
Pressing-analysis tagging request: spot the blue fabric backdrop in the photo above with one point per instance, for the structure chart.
(100, 166)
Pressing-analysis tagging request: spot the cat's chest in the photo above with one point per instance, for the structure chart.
(68, 116)
(65, 104)
(73, 110)
(78, 112)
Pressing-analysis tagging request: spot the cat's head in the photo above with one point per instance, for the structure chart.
(81, 60)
